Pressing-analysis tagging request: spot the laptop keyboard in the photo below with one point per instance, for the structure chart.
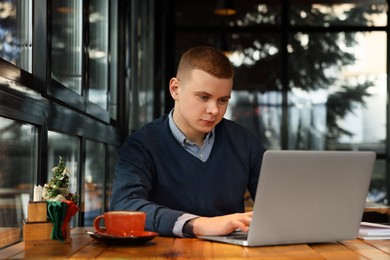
(238, 235)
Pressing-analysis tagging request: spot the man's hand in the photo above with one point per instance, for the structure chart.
(222, 225)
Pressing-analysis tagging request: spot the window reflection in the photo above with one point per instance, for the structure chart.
(323, 13)
(18, 171)
(98, 52)
(343, 72)
(67, 147)
(92, 196)
(307, 113)
(261, 113)
(297, 87)
(66, 48)
(111, 173)
(337, 97)
(249, 12)
(378, 187)
(140, 62)
(16, 32)
(113, 86)
(253, 55)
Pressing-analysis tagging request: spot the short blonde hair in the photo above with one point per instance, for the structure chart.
(207, 59)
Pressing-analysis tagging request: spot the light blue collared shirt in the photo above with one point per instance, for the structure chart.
(201, 153)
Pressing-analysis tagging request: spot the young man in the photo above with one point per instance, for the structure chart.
(189, 170)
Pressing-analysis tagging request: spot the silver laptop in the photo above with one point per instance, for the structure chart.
(307, 197)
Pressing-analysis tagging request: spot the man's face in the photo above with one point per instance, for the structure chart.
(201, 101)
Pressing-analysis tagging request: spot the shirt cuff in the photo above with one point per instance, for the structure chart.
(178, 227)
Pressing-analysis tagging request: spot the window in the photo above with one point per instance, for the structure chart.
(346, 94)
(112, 151)
(18, 171)
(68, 148)
(93, 181)
(141, 63)
(53, 98)
(98, 53)
(113, 61)
(66, 47)
(16, 32)
(327, 13)
(308, 75)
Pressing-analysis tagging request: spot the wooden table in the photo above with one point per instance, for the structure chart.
(378, 208)
(83, 246)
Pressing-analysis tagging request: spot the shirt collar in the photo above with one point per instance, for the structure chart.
(180, 137)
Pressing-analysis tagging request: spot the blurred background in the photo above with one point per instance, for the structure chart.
(76, 77)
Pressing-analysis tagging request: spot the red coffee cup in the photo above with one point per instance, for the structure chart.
(121, 223)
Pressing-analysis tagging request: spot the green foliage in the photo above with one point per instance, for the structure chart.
(341, 103)
(315, 57)
(58, 186)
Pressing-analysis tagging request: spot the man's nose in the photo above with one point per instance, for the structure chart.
(212, 108)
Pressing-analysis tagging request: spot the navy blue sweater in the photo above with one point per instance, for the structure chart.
(156, 175)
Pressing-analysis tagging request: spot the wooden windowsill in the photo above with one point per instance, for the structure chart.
(9, 235)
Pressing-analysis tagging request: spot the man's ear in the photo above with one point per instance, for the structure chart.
(174, 88)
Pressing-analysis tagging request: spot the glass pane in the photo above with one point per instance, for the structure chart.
(111, 173)
(377, 193)
(184, 41)
(67, 147)
(18, 171)
(113, 86)
(307, 113)
(338, 97)
(251, 55)
(66, 47)
(256, 100)
(323, 13)
(248, 12)
(260, 113)
(93, 181)
(16, 32)
(141, 61)
(241, 48)
(338, 80)
(98, 52)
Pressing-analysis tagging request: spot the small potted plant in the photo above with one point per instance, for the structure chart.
(58, 187)
(62, 204)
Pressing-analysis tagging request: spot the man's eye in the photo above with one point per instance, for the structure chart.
(223, 101)
(203, 97)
